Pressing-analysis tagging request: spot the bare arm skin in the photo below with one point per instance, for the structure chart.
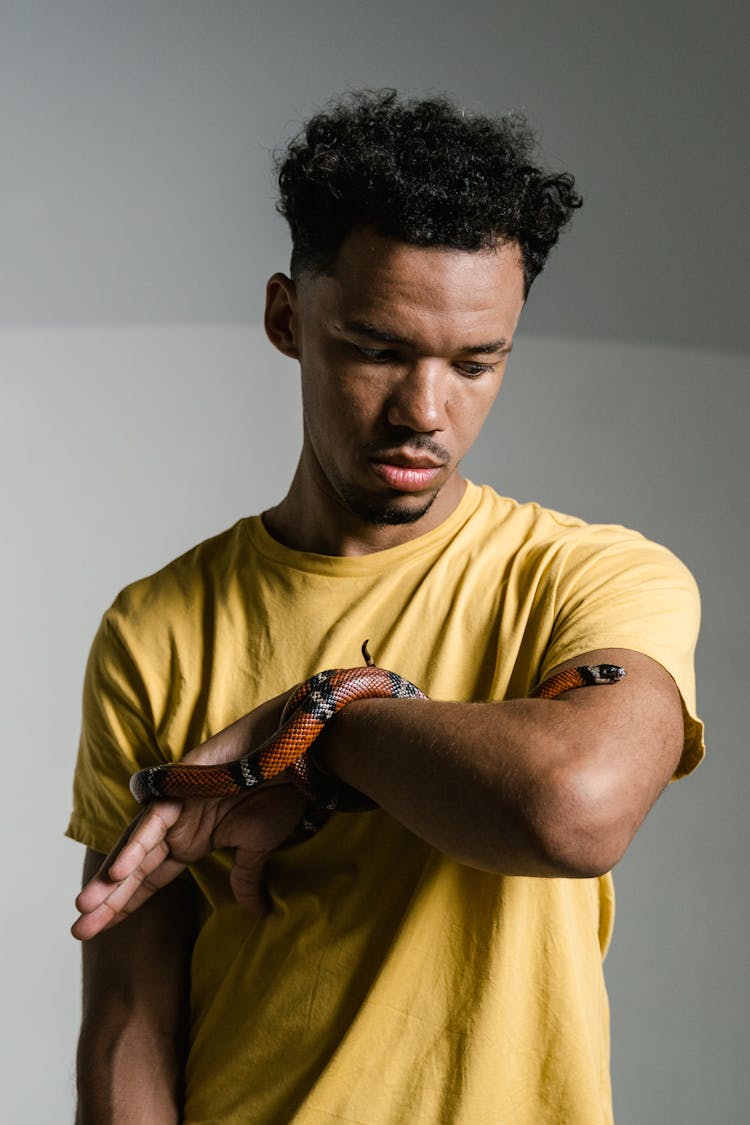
(136, 970)
(168, 835)
(524, 787)
(133, 1040)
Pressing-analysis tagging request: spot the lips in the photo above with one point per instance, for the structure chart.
(427, 455)
(406, 472)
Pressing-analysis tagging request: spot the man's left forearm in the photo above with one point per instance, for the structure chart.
(525, 787)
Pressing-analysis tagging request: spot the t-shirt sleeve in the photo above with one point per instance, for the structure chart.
(117, 739)
(630, 593)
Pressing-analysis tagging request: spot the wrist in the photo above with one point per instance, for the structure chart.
(320, 772)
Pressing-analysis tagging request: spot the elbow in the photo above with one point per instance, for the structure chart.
(582, 824)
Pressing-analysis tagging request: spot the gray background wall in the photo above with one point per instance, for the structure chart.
(141, 410)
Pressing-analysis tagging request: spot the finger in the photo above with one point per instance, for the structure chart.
(145, 839)
(103, 917)
(93, 894)
(247, 880)
(125, 898)
(101, 891)
(159, 870)
(87, 926)
(96, 889)
(147, 834)
(255, 829)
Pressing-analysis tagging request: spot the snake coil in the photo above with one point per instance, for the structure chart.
(309, 708)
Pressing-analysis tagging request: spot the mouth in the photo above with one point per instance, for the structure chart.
(406, 472)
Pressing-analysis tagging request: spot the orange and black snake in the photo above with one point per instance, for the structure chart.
(305, 714)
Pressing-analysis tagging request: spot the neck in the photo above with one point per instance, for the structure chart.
(311, 518)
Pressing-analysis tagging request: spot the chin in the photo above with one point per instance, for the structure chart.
(386, 513)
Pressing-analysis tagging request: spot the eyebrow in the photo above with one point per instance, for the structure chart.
(364, 328)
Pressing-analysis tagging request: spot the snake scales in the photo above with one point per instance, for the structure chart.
(305, 714)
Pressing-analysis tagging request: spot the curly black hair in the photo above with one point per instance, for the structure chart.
(422, 171)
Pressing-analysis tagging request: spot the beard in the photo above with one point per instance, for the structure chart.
(383, 513)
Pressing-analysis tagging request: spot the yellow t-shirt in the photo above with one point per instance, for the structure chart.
(389, 984)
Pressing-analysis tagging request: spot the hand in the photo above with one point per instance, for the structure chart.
(170, 834)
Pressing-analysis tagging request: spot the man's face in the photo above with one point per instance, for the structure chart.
(402, 352)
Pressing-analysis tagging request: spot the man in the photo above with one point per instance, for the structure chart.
(437, 960)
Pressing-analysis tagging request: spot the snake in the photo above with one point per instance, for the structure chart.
(309, 708)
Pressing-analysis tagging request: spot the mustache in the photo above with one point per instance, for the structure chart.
(408, 440)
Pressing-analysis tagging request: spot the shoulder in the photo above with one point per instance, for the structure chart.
(586, 582)
(564, 545)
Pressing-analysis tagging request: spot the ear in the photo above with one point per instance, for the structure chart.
(281, 320)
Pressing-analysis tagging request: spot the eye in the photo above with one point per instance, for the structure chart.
(474, 370)
(376, 355)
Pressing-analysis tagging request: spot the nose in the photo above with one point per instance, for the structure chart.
(419, 400)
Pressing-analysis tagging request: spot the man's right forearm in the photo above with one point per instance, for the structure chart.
(128, 1075)
(134, 1033)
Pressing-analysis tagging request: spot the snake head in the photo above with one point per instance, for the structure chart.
(146, 785)
(606, 673)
